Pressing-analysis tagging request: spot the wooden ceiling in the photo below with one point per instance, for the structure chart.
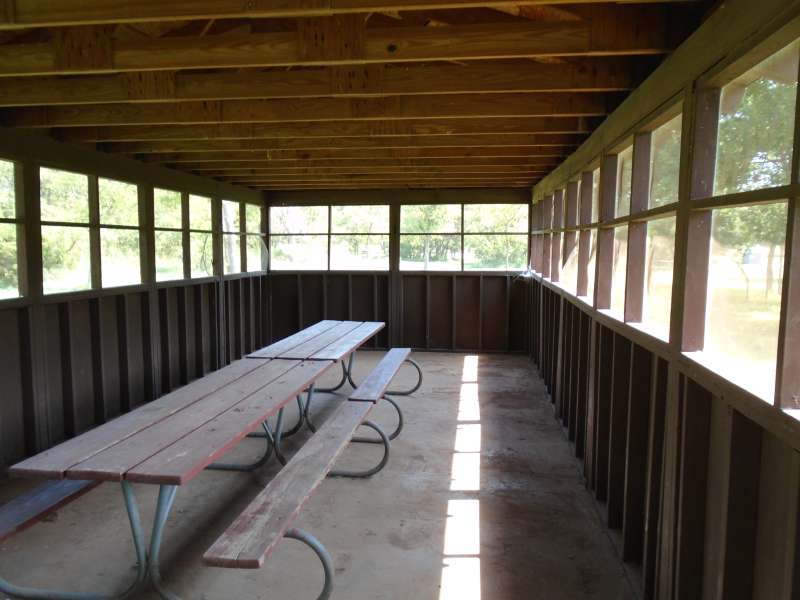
(332, 94)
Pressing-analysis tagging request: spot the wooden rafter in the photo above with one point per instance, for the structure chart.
(580, 75)
(93, 50)
(339, 94)
(45, 13)
(330, 129)
(314, 109)
(358, 153)
(539, 142)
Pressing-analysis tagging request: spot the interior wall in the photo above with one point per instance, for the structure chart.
(701, 500)
(72, 361)
(457, 311)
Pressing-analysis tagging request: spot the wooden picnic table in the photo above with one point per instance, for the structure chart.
(171, 440)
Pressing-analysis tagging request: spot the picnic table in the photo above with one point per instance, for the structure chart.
(169, 441)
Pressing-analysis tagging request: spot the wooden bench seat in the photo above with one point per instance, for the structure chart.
(29, 508)
(260, 528)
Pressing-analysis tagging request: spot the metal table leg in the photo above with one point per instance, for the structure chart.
(141, 569)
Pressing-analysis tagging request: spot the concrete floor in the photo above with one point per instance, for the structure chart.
(481, 500)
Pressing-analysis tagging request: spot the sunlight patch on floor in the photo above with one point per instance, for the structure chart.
(461, 565)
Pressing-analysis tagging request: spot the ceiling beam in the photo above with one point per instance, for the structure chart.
(441, 181)
(332, 129)
(313, 109)
(577, 75)
(341, 40)
(262, 164)
(378, 187)
(366, 169)
(460, 173)
(560, 143)
(17, 14)
(371, 153)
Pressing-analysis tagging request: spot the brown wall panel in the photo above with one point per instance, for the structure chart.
(338, 298)
(284, 306)
(106, 347)
(494, 313)
(441, 312)
(414, 311)
(518, 316)
(313, 298)
(85, 404)
(382, 301)
(12, 415)
(135, 350)
(468, 290)
(169, 332)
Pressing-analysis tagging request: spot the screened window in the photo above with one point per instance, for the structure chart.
(495, 237)
(201, 238)
(231, 237)
(659, 262)
(298, 238)
(756, 125)
(430, 237)
(359, 238)
(618, 271)
(66, 255)
(624, 180)
(592, 263)
(119, 233)
(595, 195)
(665, 163)
(168, 235)
(744, 294)
(10, 228)
(256, 248)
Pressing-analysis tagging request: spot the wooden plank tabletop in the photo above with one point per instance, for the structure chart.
(326, 340)
(179, 463)
(111, 451)
(171, 439)
(54, 462)
(348, 343)
(287, 343)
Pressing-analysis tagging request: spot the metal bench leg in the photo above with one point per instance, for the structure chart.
(409, 391)
(141, 557)
(324, 557)
(372, 471)
(391, 436)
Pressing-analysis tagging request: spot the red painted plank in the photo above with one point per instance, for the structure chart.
(26, 510)
(260, 528)
(314, 345)
(287, 343)
(53, 463)
(113, 463)
(186, 458)
(350, 342)
(375, 384)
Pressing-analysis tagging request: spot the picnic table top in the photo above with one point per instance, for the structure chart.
(326, 340)
(172, 439)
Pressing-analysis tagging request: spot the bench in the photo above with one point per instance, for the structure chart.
(30, 508)
(267, 520)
